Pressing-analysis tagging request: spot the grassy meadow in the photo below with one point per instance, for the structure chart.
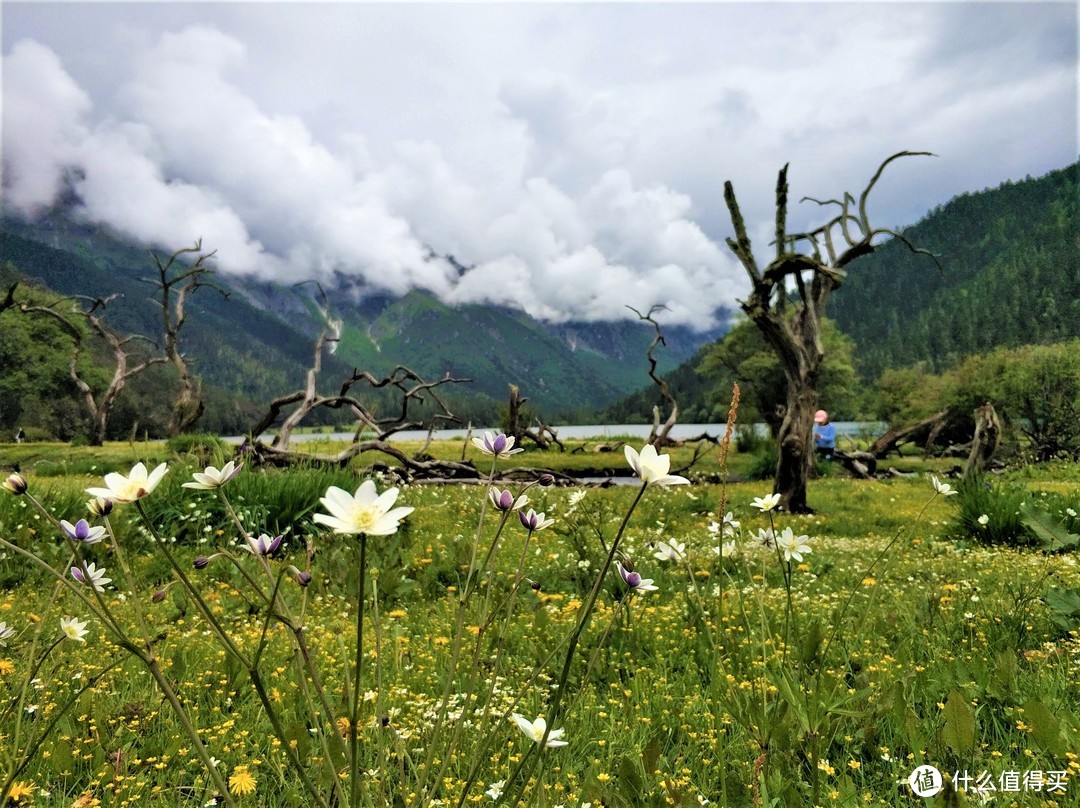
(898, 640)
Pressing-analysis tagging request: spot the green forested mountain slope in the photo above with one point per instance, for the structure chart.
(256, 344)
(1011, 259)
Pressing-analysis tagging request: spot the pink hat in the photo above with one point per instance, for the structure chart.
(821, 417)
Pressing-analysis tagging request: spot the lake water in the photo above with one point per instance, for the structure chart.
(580, 431)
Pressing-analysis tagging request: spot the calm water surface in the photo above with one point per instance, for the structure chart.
(581, 431)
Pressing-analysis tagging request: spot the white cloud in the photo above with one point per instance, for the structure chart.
(43, 109)
(572, 155)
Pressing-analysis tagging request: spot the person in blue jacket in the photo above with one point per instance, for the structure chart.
(824, 435)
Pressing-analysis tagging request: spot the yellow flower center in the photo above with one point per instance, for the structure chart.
(364, 517)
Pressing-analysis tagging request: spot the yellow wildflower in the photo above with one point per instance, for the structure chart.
(241, 781)
(20, 791)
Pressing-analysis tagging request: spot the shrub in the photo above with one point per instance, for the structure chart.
(764, 463)
(748, 440)
(991, 513)
(202, 446)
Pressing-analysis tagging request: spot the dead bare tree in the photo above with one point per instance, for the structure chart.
(412, 389)
(543, 435)
(791, 324)
(660, 436)
(99, 405)
(174, 287)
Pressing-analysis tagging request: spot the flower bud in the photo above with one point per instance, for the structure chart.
(303, 578)
(100, 506)
(201, 563)
(14, 484)
(158, 596)
(534, 585)
(547, 479)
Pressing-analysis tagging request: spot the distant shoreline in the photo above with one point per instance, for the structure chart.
(579, 432)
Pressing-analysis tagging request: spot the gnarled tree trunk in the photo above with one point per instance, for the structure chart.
(787, 303)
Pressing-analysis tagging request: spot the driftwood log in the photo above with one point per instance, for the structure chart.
(919, 431)
(861, 464)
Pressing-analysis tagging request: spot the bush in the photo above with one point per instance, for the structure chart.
(991, 513)
(205, 448)
(763, 466)
(748, 440)
(267, 501)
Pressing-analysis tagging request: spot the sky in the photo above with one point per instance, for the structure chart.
(570, 157)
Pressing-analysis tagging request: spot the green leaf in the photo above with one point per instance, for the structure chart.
(1044, 726)
(1050, 532)
(810, 647)
(1064, 605)
(959, 730)
(630, 782)
(650, 755)
(1004, 676)
(1065, 602)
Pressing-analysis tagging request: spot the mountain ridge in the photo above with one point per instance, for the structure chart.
(258, 342)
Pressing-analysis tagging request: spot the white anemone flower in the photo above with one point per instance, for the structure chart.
(499, 445)
(652, 468)
(363, 512)
(505, 500)
(91, 575)
(211, 478)
(74, 628)
(531, 520)
(128, 489)
(727, 549)
(766, 503)
(536, 729)
(670, 550)
(634, 580)
(6, 633)
(944, 489)
(792, 546)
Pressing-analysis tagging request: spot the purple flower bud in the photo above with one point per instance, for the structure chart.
(78, 575)
(547, 479)
(201, 563)
(535, 586)
(303, 578)
(14, 484)
(158, 596)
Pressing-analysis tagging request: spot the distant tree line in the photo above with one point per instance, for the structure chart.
(1013, 278)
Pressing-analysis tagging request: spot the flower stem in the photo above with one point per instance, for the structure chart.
(354, 730)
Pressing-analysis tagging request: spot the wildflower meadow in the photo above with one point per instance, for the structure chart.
(191, 631)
